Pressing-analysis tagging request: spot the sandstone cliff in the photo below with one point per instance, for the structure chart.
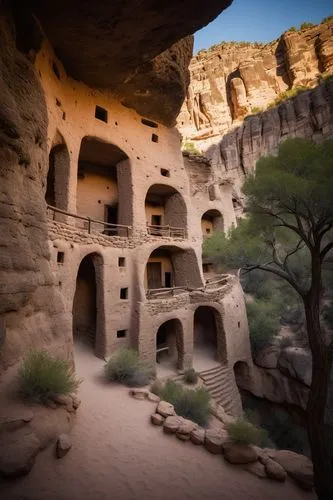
(232, 80)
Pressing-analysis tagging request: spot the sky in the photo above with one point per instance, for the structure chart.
(260, 20)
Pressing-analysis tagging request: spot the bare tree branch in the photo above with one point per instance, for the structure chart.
(325, 251)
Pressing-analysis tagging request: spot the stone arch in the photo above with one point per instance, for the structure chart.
(57, 183)
(212, 222)
(165, 206)
(88, 304)
(209, 335)
(241, 372)
(103, 181)
(170, 266)
(170, 344)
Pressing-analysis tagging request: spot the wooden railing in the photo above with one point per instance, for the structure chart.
(171, 231)
(160, 293)
(108, 229)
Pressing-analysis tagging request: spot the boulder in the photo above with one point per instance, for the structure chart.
(185, 429)
(18, 451)
(76, 402)
(153, 398)
(257, 469)
(296, 363)
(214, 440)
(16, 419)
(297, 466)
(171, 424)
(262, 454)
(63, 445)
(268, 357)
(239, 453)
(165, 409)
(198, 436)
(275, 471)
(157, 419)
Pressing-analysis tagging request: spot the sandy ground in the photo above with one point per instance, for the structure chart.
(118, 455)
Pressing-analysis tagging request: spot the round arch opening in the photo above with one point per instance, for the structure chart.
(211, 222)
(166, 213)
(88, 305)
(102, 185)
(209, 338)
(169, 347)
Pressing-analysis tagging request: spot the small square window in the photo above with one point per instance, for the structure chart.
(207, 230)
(60, 257)
(154, 137)
(165, 172)
(123, 293)
(101, 114)
(121, 262)
(121, 334)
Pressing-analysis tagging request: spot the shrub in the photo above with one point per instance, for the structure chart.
(292, 28)
(243, 432)
(127, 368)
(191, 376)
(156, 387)
(41, 375)
(306, 25)
(326, 19)
(191, 404)
(264, 323)
(190, 147)
(256, 110)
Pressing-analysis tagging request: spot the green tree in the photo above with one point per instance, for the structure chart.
(288, 233)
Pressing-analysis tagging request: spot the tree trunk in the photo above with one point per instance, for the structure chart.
(321, 370)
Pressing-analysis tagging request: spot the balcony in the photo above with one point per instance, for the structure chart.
(166, 231)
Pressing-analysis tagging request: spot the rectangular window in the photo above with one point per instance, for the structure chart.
(154, 137)
(121, 262)
(101, 114)
(121, 334)
(124, 293)
(148, 123)
(156, 220)
(60, 257)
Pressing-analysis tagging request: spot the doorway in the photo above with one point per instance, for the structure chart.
(154, 275)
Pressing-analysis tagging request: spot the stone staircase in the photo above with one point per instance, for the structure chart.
(220, 382)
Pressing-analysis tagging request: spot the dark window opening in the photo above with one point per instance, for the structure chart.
(101, 114)
(124, 293)
(64, 115)
(207, 230)
(205, 268)
(165, 172)
(58, 103)
(238, 324)
(121, 262)
(168, 280)
(156, 220)
(149, 123)
(56, 70)
(121, 334)
(154, 138)
(111, 214)
(60, 257)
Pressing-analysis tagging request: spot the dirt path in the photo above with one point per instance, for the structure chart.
(118, 455)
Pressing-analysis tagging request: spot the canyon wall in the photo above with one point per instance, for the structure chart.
(232, 80)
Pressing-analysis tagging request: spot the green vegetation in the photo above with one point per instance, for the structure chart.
(255, 110)
(326, 19)
(264, 323)
(127, 368)
(41, 376)
(306, 25)
(191, 404)
(243, 432)
(191, 148)
(191, 376)
(292, 28)
(288, 233)
(289, 94)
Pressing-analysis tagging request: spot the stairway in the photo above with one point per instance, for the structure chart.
(221, 384)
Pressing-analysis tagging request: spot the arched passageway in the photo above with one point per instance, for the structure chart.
(170, 266)
(166, 213)
(209, 338)
(211, 222)
(57, 184)
(102, 185)
(241, 371)
(87, 305)
(169, 347)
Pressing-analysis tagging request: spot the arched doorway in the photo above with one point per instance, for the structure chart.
(241, 371)
(57, 184)
(102, 185)
(88, 306)
(211, 222)
(166, 212)
(209, 338)
(169, 346)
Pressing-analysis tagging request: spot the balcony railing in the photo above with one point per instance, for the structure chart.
(170, 231)
(161, 293)
(90, 225)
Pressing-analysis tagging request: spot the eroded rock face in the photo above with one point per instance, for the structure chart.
(29, 301)
(230, 81)
(124, 46)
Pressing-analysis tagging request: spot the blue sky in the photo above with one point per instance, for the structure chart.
(260, 20)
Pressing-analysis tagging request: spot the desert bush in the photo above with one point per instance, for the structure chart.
(326, 19)
(292, 28)
(243, 432)
(264, 323)
(127, 368)
(190, 147)
(191, 376)
(156, 387)
(41, 375)
(306, 25)
(191, 404)
(256, 110)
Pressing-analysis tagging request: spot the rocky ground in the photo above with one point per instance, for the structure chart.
(117, 453)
